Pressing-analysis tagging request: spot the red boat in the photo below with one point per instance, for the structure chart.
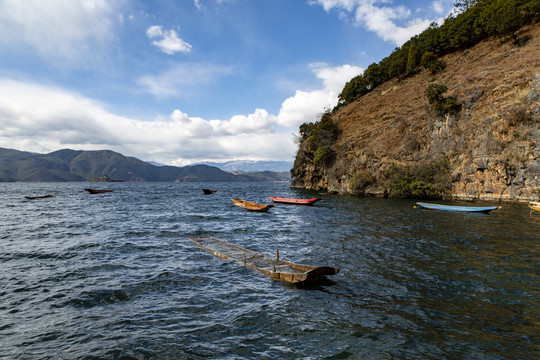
(295, 201)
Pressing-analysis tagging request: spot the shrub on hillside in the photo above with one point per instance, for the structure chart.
(317, 139)
(326, 131)
(450, 106)
(425, 180)
(323, 156)
(432, 63)
(441, 105)
(360, 181)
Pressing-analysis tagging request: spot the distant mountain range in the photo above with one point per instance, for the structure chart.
(72, 165)
(252, 165)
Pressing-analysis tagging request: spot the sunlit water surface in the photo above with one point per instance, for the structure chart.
(114, 276)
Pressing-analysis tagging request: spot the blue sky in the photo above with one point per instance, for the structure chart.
(185, 81)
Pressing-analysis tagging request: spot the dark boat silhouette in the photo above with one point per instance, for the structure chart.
(95, 191)
(39, 197)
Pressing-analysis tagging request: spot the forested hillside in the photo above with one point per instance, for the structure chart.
(71, 165)
(453, 113)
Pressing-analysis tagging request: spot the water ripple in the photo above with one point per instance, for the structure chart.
(115, 277)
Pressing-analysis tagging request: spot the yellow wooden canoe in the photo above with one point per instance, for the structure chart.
(251, 206)
(275, 268)
(534, 205)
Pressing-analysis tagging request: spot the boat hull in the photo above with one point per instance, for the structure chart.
(94, 191)
(39, 197)
(275, 268)
(482, 209)
(251, 206)
(534, 205)
(308, 202)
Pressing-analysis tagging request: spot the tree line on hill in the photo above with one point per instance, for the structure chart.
(473, 21)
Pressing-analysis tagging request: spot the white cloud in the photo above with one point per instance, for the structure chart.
(330, 4)
(168, 40)
(308, 106)
(381, 21)
(38, 118)
(35, 117)
(198, 4)
(334, 78)
(438, 7)
(258, 122)
(390, 23)
(60, 30)
(182, 79)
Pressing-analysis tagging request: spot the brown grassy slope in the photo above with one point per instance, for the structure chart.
(493, 151)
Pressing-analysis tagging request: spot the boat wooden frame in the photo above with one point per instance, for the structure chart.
(275, 268)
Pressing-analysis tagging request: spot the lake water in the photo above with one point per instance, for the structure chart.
(114, 276)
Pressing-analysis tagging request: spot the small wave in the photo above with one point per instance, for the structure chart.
(129, 247)
(37, 256)
(100, 297)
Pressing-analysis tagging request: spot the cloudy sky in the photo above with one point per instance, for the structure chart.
(185, 81)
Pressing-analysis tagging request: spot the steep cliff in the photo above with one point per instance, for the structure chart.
(487, 147)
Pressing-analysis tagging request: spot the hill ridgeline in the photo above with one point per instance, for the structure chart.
(468, 131)
(106, 165)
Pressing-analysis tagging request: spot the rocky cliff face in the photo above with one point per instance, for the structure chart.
(491, 145)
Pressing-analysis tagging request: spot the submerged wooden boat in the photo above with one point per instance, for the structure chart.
(208, 191)
(483, 209)
(39, 197)
(534, 205)
(277, 269)
(95, 191)
(251, 206)
(295, 201)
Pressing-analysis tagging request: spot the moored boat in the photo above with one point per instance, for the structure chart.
(275, 268)
(208, 191)
(295, 201)
(96, 191)
(534, 205)
(251, 206)
(483, 209)
(39, 197)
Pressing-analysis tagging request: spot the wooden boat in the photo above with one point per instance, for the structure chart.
(295, 201)
(94, 191)
(483, 209)
(39, 197)
(251, 206)
(208, 191)
(277, 269)
(534, 205)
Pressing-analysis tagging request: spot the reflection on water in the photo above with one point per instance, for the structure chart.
(114, 276)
